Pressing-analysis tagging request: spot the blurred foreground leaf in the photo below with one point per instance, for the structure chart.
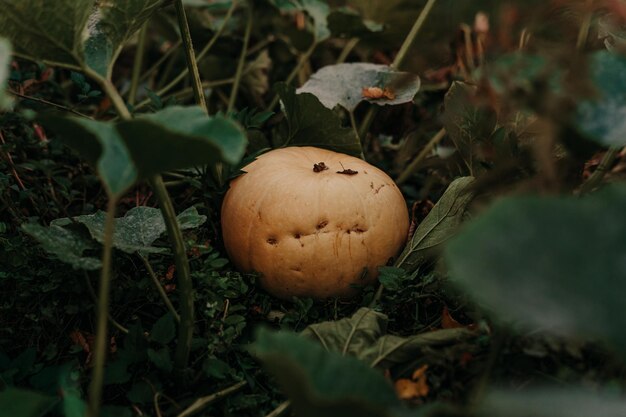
(321, 383)
(549, 262)
(22, 403)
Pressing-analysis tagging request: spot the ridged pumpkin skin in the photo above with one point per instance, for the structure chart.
(308, 233)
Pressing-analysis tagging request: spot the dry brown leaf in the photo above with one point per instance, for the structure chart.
(416, 387)
(447, 321)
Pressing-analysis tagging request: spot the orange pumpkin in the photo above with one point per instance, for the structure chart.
(312, 222)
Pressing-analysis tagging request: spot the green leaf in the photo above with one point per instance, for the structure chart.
(164, 330)
(466, 122)
(439, 226)
(102, 146)
(110, 26)
(139, 228)
(364, 336)
(46, 31)
(551, 402)
(161, 359)
(321, 383)
(22, 403)
(549, 262)
(5, 62)
(77, 34)
(66, 244)
(180, 137)
(343, 84)
(317, 10)
(174, 138)
(603, 118)
(309, 123)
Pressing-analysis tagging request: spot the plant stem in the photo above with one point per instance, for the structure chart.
(185, 285)
(186, 91)
(596, 178)
(100, 342)
(350, 45)
(409, 170)
(399, 60)
(280, 409)
(301, 61)
(92, 292)
(159, 288)
(202, 402)
(141, 47)
(160, 61)
(583, 33)
(190, 55)
(202, 53)
(241, 63)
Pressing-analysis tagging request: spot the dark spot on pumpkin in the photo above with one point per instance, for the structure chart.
(322, 224)
(319, 167)
(297, 235)
(272, 241)
(347, 171)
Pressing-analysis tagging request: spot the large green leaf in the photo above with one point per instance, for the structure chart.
(346, 22)
(321, 383)
(364, 335)
(173, 138)
(548, 262)
(439, 225)
(111, 24)
(21, 403)
(80, 34)
(309, 123)
(603, 117)
(551, 402)
(5, 61)
(180, 137)
(139, 228)
(102, 146)
(66, 244)
(343, 84)
(50, 31)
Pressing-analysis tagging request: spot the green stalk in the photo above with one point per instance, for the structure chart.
(185, 285)
(190, 55)
(141, 47)
(399, 60)
(241, 63)
(159, 287)
(409, 170)
(202, 53)
(583, 33)
(100, 342)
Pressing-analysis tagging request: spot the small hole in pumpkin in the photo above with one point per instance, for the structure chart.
(322, 224)
(272, 241)
(297, 235)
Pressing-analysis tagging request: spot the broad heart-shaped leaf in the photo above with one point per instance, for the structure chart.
(66, 244)
(317, 10)
(111, 24)
(174, 138)
(50, 31)
(466, 122)
(79, 34)
(5, 61)
(181, 137)
(102, 146)
(163, 330)
(551, 402)
(439, 225)
(16, 402)
(343, 84)
(603, 118)
(364, 335)
(321, 383)
(309, 123)
(549, 262)
(139, 228)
